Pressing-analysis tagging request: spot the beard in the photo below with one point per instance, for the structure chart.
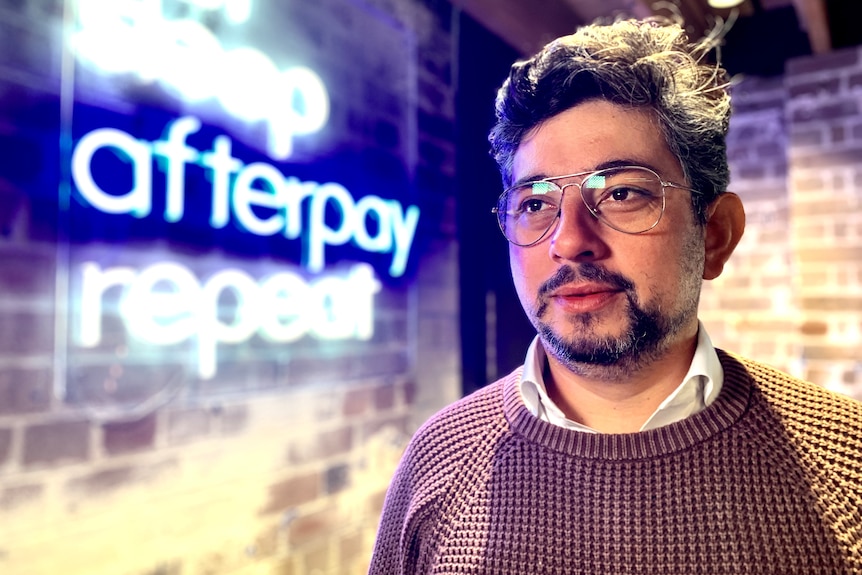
(649, 329)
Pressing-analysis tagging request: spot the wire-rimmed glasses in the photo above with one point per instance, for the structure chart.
(629, 199)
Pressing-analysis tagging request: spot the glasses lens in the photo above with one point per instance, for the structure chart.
(526, 212)
(630, 200)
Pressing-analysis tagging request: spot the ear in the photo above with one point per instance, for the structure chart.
(724, 227)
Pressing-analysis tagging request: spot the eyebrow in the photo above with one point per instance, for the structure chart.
(618, 163)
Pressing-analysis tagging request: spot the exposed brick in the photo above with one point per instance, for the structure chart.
(291, 492)
(5, 444)
(266, 542)
(817, 376)
(822, 62)
(27, 273)
(832, 111)
(839, 134)
(25, 390)
(824, 159)
(53, 443)
(102, 481)
(399, 423)
(357, 402)
(831, 255)
(391, 363)
(317, 559)
(130, 436)
(750, 172)
(834, 303)
(410, 391)
(808, 184)
(808, 137)
(26, 332)
(765, 326)
(316, 526)
(322, 446)
(336, 478)
(18, 495)
(166, 567)
(814, 328)
(746, 303)
(390, 330)
(384, 397)
(739, 135)
(736, 282)
(770, 150)
(737, 153)
(832, 352)
(311, 370)
(350, 547)
(233, 419)
(374, 503)
(821, 86)
(188, 424)
(97, 384)
(747, 107)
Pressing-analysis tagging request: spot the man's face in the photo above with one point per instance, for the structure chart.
(604, 302)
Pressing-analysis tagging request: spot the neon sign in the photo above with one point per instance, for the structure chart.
(166, 304)
(187, 59)
(239, 191)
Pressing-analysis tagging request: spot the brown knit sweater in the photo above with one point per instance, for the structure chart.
(768, 479)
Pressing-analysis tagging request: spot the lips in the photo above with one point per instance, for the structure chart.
(583, 298)
(583, 290)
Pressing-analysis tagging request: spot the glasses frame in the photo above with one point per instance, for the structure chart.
(588, 174)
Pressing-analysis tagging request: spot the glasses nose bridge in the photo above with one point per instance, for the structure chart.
(578, 185)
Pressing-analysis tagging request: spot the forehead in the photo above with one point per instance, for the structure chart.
(592, 135)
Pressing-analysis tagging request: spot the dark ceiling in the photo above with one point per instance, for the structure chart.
(764, 33)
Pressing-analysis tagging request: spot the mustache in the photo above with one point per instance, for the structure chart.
(584, 272)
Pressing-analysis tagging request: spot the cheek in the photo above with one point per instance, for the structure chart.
(523, 273)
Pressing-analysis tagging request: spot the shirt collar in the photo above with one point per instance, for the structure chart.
(698, 389)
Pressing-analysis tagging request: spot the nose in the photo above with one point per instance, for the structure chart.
(579, 235)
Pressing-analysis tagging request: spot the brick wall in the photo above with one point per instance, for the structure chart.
(280, 462)
(792, 294)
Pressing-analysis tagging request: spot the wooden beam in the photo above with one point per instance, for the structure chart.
(526, 26)
(812, 15)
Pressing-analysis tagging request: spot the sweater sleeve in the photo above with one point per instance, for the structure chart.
(430, 479)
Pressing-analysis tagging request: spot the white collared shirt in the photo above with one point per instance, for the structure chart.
(698, 389)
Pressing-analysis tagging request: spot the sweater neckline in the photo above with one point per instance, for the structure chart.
(728, 408)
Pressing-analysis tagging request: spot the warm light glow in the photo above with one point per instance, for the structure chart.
(725, 3)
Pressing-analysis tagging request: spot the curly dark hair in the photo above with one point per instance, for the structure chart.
(646, 63)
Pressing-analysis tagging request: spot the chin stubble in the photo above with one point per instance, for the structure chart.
(650, 329)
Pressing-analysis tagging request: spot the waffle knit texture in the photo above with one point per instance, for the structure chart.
(768, 479)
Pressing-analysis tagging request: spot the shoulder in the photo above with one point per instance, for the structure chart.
(469, 420)
(444, 462)
(824, 425)
(795, 398)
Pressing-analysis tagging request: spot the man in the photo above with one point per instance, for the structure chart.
(627, 443)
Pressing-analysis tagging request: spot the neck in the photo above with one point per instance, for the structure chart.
(623, 404)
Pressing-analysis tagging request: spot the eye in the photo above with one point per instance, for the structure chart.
(625, 197)
(626, 194)
(620, 194)
(534, 205)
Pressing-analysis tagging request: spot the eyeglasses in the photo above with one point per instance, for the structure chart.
(629, 199)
